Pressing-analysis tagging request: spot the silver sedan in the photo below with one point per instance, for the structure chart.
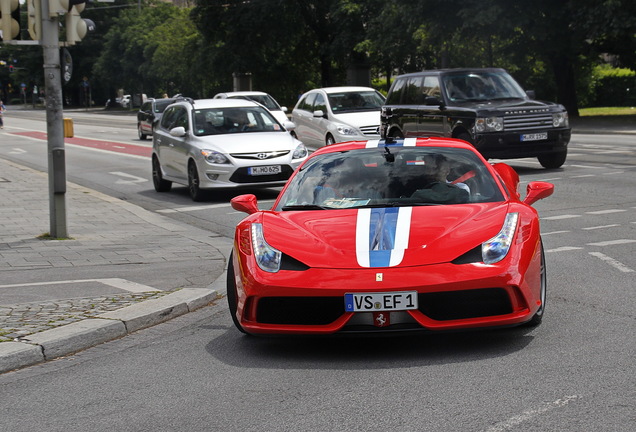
(222, 143)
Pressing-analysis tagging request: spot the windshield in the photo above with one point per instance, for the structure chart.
(266, 100)
(216, 121)
(390, 176)
(477, 86)
(161, 105)
(355, 101)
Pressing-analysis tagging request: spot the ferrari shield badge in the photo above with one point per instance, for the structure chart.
(381, 319)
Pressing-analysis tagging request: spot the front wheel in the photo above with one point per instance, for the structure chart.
(160, 184)
(538, 316)
(194, 183)
(553, 160)
(232, 296)
(142, 136)
(330, 141)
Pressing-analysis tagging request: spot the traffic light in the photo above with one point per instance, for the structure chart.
(76, 26)
(10, 16)
(34, 8)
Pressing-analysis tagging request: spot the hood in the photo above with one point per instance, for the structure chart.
(508, 104)
(359, 119)
(249, 142)
(385, 237)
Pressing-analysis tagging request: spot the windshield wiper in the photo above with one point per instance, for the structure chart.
(304, 207)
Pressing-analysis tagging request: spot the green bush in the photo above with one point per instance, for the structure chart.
(614, 86)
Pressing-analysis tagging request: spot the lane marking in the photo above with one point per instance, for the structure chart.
(133, 178)
(113, 282)
(612, 242)
(566, 216)
(554, 232)
(601, 227)
(564, 249)
(611, 261)
(600, 212)
(529, 414)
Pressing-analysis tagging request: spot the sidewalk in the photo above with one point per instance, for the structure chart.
(123, 269)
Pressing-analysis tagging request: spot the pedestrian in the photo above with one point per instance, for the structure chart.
(2, 110)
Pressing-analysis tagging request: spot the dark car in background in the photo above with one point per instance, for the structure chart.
(149, 115)
(484, 106)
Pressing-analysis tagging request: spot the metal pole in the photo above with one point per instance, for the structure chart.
(54, 123)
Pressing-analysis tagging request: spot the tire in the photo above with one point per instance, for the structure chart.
(330, 141)
(142, 136)
(538, 316)
(396, 134)
(232, 297)
(465, 136)
(553, 160)
(161, 185)
(194, 183)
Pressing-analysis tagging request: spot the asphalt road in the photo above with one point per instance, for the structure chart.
(575, 372)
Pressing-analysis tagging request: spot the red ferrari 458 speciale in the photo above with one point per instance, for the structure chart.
(395, 235)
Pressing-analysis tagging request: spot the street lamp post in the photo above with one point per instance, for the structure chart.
(54, 123)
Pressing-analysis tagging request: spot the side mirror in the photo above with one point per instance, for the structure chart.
(319, 113)
(538, 190)
(432, 100)
(531, 94)
(509, 177)
(289, 125)
(245, 203)
(179, 131)
(284, 109)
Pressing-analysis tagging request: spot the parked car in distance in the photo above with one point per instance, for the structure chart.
(149, 115)
(280, 113)
(483, 106)
(330, 115)
(390, 235)
(222, 143)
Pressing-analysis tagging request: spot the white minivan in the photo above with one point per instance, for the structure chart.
(330, 115)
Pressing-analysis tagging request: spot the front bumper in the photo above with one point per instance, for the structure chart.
(508, 145)
(450, 297)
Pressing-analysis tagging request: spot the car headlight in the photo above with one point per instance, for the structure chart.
(300, 152)
(489, 124)
(214, 156)
(267, 258)
(496, 249)
(344, 129)
(560, 119)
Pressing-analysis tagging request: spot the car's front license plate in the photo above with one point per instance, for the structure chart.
(386, 301)
(264, 170)
(535, 136)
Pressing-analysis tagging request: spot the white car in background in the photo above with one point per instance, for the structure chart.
(280, 113)
(330, 115)
(222, 143)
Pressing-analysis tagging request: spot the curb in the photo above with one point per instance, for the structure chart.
(74, 337)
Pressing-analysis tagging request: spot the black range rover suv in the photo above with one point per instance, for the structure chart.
(485, 107)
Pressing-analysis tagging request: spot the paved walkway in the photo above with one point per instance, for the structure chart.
(51, 289)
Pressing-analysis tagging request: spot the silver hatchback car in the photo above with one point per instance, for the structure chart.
(222, 143)
(335, 114)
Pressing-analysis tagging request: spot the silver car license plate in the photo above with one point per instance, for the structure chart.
(264, 170)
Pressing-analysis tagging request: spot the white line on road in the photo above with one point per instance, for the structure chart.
(554, 232)
(564, 249)
(600, 212)
(601, 227)
(612, 242)
(566, 216)
(514, 421)
(114, 282)
(611, 261)
(133, 178)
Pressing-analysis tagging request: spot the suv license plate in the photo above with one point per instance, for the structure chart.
(264, 170)
(387, 301)
(535, 136)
